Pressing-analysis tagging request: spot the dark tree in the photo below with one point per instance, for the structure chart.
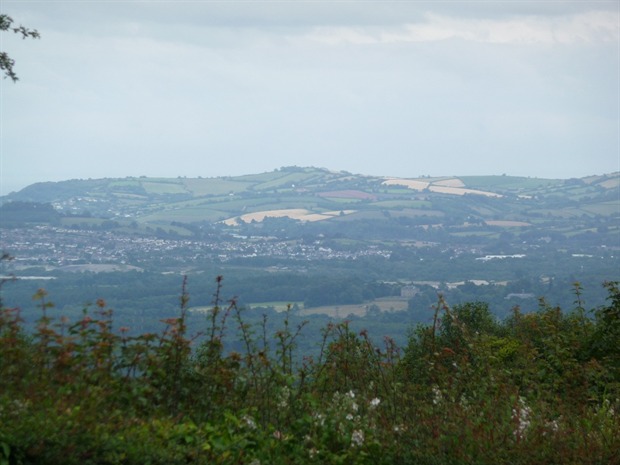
(6, 62)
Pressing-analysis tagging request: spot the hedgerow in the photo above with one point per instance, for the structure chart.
(540, 388)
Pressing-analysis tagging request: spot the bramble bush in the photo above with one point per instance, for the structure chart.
(540, 388)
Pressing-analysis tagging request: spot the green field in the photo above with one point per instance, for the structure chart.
(507, 183)
(603, 208)
(215, 186)
(131, 182)
(287, 180)
(258, 178)
(187, 215)
(161, 188)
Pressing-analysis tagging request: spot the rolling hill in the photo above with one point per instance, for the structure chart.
(319, 195)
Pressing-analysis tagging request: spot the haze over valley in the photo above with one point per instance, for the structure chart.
(330, 243)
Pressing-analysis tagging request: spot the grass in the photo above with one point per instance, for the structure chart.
(188, 215)
(366, 215)
(487, 234)
(215, 186)
(603, 208)
(287, 179)
(81, 221)
(161, 188)
(341, 200)
(404, 191)
(132, 182)
(402, 203)
(508, 183)
(259, 178)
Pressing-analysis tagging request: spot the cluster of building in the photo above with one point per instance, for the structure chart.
(57, 247)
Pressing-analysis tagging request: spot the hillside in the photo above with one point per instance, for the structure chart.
(313, 194)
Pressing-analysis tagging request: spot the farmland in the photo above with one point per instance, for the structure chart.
(334, 243)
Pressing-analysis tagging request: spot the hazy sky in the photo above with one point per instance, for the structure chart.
(400, 88)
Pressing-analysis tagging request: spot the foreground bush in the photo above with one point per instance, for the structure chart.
(537, 388)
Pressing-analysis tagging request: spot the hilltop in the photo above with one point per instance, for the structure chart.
(320, 195)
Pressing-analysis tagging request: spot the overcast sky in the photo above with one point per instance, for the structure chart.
(216, 88)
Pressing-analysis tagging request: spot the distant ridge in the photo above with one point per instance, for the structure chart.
(318, 194)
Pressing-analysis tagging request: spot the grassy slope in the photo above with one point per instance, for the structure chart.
(162, 200)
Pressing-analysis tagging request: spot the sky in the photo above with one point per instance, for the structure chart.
(386, 88)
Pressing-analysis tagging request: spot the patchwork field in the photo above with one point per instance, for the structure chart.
(316, 195)
(445, 186)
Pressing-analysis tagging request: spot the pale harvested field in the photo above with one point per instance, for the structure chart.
(439, 186)
(503, 223)
(324, 215)
(313, 217)
(260, 216)
(293, 213)
(415, 185)
(454, 182)
(610, 183)
(461, 191)
(590, 179)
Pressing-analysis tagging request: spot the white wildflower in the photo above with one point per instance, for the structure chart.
(375, 402)
(249, 421)
(285, 395)
(357, 438)
(521, 415)
(349, 417)
(608, 408)
(354, 407)
(351, 394)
